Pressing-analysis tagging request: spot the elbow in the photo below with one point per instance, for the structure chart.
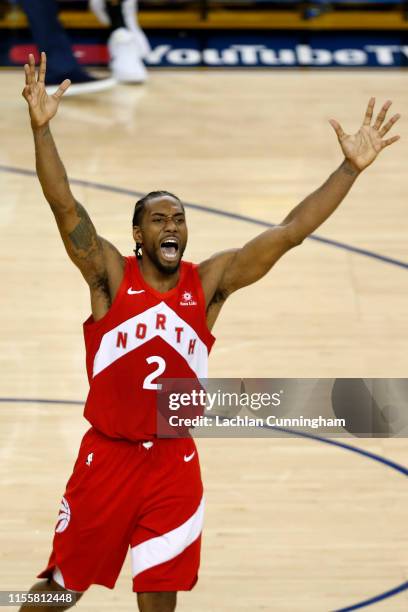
(296, 241)
(59, 203)
(294, 238)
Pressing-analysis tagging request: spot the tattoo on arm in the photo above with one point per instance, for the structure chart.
(89, 254)
(83, 237)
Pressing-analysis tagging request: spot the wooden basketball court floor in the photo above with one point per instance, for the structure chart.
(292, 525)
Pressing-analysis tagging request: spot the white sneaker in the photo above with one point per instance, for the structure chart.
(125, 62)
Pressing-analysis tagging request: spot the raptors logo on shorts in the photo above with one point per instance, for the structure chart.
(64, 516)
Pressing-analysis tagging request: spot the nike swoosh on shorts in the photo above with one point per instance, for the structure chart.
(188, 458)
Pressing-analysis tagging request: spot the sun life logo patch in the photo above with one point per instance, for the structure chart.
(187, 299)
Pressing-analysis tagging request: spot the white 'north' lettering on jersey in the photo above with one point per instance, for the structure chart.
(147, 325)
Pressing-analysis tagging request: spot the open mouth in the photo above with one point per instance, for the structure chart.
(169, 248)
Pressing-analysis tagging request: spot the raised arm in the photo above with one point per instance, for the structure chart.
(99, 262)
(228, 271)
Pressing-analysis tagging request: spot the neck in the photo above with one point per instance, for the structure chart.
(155, 278)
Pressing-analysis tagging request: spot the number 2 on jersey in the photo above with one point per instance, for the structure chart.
(161, 366)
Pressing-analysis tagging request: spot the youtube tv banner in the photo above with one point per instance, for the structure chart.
(234, 49)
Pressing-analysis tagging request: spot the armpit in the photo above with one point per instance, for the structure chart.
(99, 286)
(219, 297)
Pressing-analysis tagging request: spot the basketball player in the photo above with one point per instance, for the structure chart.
(151, 316)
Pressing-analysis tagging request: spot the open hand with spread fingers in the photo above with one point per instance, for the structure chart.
(42, 107)
(362, 148)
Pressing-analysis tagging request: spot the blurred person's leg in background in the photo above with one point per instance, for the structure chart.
(127, 43)
(50, 36)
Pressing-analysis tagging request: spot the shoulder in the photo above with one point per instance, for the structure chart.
(111, 254)
(216, 265)
(211, 272)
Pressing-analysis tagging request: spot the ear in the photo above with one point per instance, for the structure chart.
(137, 234)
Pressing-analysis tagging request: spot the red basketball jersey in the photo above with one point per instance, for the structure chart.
(145, 335)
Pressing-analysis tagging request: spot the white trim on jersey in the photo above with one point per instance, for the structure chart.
(168, 546)
(109, 351)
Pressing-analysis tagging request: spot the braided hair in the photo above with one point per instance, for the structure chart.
(140, 207)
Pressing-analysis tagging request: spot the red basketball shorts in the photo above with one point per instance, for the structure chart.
(147, 496)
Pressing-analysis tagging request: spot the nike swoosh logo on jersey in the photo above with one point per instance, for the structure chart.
(188, 458)
(133, 292)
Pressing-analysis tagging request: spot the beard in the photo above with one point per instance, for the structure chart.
(168, 269)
